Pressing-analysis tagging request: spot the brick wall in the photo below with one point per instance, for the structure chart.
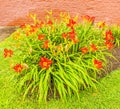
(15, 12)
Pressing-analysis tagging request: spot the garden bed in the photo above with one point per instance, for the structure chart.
(53, 57)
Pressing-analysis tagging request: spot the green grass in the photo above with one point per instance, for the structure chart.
(107, 95)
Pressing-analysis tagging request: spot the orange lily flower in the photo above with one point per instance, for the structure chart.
(8, 53)
(87, 18)
(46, 44)
(109, 35)
(41, 36)
(98, 64)
(109, 45)
(84, 50)
(49, 22)
(64, 35)
(71, 23)
(45, 62)
(18, 68)
(93, 47)
(101, 24)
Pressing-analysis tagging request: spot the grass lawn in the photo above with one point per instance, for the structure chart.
(107, 95)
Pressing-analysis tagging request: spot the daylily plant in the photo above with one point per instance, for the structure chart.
(59, 57)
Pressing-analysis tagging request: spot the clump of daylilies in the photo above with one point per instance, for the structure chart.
(59, 57)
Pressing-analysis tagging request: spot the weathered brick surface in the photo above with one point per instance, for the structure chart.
(15, 12)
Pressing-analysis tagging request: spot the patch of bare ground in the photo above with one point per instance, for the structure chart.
(114, 64)
(5, 31)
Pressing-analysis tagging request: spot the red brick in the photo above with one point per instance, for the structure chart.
(15, 12)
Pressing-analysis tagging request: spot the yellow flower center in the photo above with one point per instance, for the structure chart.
(44, 63)
(8, 54)
(19, 69)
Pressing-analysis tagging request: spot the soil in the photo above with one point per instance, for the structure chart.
(115, 64)
(6, 31)
(112, 65)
